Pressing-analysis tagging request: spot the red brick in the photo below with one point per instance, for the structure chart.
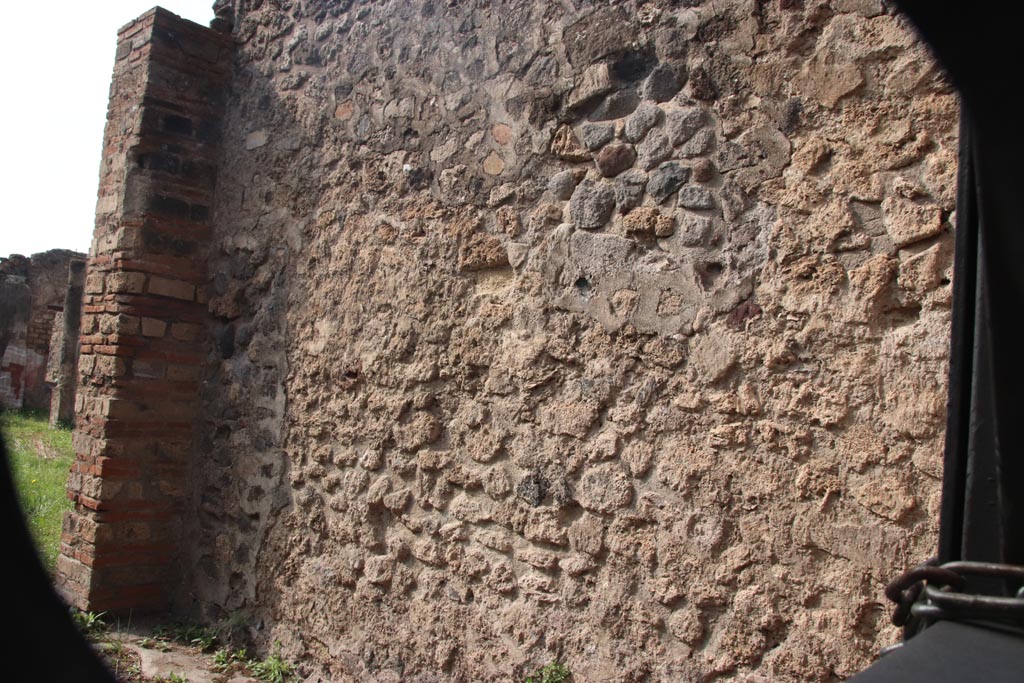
(130, 555)
(152, 327)
(186, 331)
(154, 515)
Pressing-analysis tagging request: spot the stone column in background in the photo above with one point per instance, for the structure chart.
(15, 307)
(64, 349)
(142, 328)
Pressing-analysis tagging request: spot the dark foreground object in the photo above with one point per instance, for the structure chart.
(979, 630)
(951, 651)
(40, 643)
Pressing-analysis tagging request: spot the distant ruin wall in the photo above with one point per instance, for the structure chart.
(32, 297)
(612, 333)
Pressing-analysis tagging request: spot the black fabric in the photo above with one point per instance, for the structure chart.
(983, 518)
(949, 652)
(961, 361)
(982, 512)
(40, 638)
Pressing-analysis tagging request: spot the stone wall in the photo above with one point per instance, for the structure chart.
(514, 331)
(34, 292)
(614, 333)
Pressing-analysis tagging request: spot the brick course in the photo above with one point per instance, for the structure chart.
(142, 330)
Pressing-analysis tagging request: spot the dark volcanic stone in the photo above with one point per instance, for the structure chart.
(532, 488)
(629, 189)
(597, 135)
(666, 179)
(671, 43)
(643, 119)
(614, 159)
(693, 197)
(716, 28)
(731, 156)
(591, 205)
(226, 341)
(663, 83)
(700, 143)
(602, 33)
(790, 118)
(683, 123)
(615, 106)
(654, 150)
(634, 65)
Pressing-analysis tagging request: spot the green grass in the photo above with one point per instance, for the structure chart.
(40, 458)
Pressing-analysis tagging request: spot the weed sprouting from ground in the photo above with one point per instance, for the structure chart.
(273, 669)
(107, 637)
(225, 659)
(194, 635)
(171, 678)
(553, 672)
(89, 623)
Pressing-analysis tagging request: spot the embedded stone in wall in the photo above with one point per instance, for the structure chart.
(591, 205)
(908, 222)
(682, 124)
(663, 83)
(642, 120)
(654, 149)
(596, 135)
(565, 145)
(614, 159)
(666, 179)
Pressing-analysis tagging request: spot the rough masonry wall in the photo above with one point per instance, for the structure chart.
(28, 323)
(613, 333)
(15, 312)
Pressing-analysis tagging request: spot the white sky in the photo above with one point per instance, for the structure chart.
(55, 78)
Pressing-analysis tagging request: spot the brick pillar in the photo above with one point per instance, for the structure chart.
(143, 315)
(64, 348)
